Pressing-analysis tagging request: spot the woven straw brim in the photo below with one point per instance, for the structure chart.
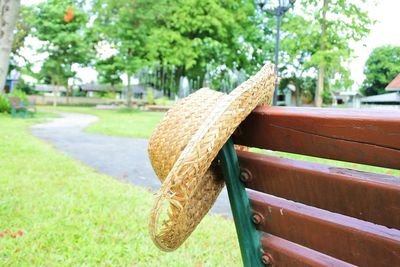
(191, 185)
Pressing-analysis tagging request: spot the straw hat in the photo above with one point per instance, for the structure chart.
(182, 150)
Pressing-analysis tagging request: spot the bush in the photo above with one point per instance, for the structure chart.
(5, 106)
(110, 95)
(150, 96)
(24, 87)
(78, 93)
(327, 97)
(164, 101)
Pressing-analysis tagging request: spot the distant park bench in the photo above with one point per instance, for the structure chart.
(24, 109)
(157, 108)
(295, 213)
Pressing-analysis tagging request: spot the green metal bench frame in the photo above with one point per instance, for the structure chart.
(21, 108)
(248, 236)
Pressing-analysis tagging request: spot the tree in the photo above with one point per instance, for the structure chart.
(194, 34)
(124, 25)
(184, 35)
(305, 87)
(23, 28)
(322, 47)
(298, 44)
(340, 22)
(8, 17)
(110, 71)
(382, 66)
(18, 60)
(61, 25)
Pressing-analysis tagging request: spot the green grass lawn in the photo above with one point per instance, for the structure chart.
(124, 122)
(72, 216)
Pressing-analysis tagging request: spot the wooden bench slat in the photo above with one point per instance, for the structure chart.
(286, 253)
(351, 240)
(366, 196)
(367, 137)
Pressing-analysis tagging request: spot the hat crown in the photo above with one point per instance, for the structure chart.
(178, 126)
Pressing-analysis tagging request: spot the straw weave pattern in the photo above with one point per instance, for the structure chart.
(182, 150)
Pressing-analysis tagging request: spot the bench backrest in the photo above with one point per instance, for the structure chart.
(312, 214)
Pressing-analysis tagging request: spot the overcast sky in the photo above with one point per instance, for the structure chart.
(385, 31)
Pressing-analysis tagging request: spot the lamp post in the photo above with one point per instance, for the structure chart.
(277, 8)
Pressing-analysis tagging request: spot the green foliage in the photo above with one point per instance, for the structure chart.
(5, 106)
(191, 37)
(109, 70)
(187, 33)
(327, 97)
(346, 21)
(305, 49)
(163, 101)
(20, 94)
(24, 87)
(79, 93)
(305, 87)
(200, 38)
(122, 24)
(382, 66)
(65, 41)
(23, 28)
(110, 95)
(150, 96)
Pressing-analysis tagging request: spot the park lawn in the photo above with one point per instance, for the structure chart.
(124, 122)
(72, 216)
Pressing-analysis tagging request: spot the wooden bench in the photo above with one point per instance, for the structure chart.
(295, 213)
(17, 106)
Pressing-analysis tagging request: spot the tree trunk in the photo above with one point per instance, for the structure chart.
(68, 92)
(322, 47)
(320, 85)
(297, 94)
(8, 17)
(129, 92)
(55, 93)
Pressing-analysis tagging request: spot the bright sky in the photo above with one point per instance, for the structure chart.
(385, 31)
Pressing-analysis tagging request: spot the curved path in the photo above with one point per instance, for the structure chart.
(121, 157)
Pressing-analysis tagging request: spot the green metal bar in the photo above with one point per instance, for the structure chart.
(248, 236)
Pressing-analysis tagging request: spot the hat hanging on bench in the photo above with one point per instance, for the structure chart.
(182, 150)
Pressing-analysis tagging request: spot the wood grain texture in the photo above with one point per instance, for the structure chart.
(286, 253)
(366, 196)
(351, 240)
(362, 136)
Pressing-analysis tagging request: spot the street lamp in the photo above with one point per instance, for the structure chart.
(277, 8)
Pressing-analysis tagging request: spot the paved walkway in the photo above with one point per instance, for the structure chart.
(121, 157)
